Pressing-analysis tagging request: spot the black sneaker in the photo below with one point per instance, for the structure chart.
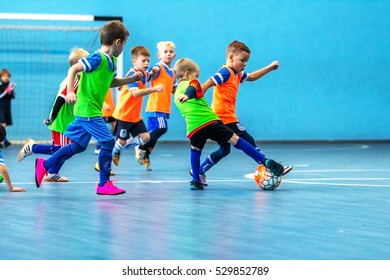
(196, 185)
(202, 178)
(274, 166)
(7, 144)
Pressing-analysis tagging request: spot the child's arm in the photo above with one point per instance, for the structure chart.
(194, 90)
(263, 71)
(206, 85)
(117, 82)
(106, 106)
(58, 103)
(7, 179)
(154, 72)
(146, 91)
(72, 72)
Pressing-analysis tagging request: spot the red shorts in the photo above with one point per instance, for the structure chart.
(59, 139)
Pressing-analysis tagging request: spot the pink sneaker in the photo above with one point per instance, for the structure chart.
(109, 189)
(40, 171)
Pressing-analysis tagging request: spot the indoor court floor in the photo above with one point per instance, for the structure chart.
(334, 205)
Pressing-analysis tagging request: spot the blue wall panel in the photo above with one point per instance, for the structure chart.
(333, 80)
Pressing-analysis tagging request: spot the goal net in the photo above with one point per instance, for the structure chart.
(37, 57)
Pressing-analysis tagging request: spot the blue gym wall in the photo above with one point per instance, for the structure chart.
(333, 80)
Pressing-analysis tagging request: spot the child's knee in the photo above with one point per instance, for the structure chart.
(234, 139)
(145, 137)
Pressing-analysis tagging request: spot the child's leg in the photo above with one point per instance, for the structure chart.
(105, 158)
(45, 149)
(215, 157)
(154, 136)
(31, 147)
(97, 148)
(248, 149)
(196, 183)
(118, 147)
(158, 126)
(58, 158)
(195, 163)
(135, 141)
(248, 138)
(55, 169)
(63, 154)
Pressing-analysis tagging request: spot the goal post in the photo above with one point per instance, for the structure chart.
(35, 49)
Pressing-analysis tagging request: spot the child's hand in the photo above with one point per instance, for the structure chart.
(70, 98)
(17, 189)
(137, 75)
(274, 65)
(159, 88)
(106, 106)
(48, 121)
(182, 98)
(10, 88)
(155, 70)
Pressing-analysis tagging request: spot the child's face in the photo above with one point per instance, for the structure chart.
(5, 78)
(141, 62)
(193, 75)
(239, 60)
(166, 54)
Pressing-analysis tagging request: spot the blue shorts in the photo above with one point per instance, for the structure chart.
(157, 123)
(82, 129)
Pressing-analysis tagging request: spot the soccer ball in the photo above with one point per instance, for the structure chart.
(266, 179)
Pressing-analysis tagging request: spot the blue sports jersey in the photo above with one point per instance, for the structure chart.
(92, 62)
(223, 75)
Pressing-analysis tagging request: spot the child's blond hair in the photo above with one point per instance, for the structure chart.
(164, 44)
(183, 65)
(76, 54)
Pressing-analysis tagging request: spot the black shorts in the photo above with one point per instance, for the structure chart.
(109, 119)
(217, 132)
(237, 128)
(123, 130)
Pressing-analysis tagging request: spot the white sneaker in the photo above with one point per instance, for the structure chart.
(139, 155)
(97, 151)
(55, 178)
(147, 164)
(26, 150)
(286, 169)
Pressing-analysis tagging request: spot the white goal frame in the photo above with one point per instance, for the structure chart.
(61, 17)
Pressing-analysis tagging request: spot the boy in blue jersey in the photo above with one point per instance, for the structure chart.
(226, 83)
(158, 107)
(98, 75)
